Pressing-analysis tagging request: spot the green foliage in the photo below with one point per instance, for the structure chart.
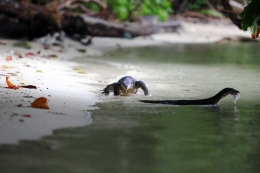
(197, 4)
(128, 9)
(250, 15)
(93, 6)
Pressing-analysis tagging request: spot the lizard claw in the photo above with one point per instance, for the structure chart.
(105, 91)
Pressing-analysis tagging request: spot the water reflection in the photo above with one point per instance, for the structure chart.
(236, 112)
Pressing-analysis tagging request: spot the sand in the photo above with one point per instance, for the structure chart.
(71, 91)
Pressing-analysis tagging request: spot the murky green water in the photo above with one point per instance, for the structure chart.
(131, 137)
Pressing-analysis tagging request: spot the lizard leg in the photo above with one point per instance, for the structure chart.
(141, 84)
(116, 89)
(109, 88)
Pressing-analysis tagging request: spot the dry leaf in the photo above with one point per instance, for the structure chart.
(10, 85)
(29, 54)
(5, 67)
(8, 58)
(80, 70)
(40, 103)
(82, 50)
(51, 56)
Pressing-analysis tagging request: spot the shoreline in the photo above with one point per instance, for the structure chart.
(70, 89)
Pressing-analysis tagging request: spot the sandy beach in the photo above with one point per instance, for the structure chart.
(70, 89)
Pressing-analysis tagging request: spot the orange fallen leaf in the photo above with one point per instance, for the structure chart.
(29, 54)
(40, 103)
(8, 58)
(10, 85)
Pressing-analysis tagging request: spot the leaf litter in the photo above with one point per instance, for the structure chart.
(12, 86)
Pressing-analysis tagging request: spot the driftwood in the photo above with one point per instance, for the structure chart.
(26, 20)
(87, 25)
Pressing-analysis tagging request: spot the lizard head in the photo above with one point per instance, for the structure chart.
(127, 83)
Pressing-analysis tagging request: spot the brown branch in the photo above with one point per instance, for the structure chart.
(68, 4)
(210, 5)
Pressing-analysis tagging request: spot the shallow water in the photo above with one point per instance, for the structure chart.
(129, 136)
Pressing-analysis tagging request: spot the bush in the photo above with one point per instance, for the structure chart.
(133, 9)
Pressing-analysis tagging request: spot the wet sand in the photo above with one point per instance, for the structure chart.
(73, 88)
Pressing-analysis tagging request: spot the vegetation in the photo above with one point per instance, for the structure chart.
(250, 17)
(132, 9)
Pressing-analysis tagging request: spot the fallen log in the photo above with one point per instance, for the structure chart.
(87, 25)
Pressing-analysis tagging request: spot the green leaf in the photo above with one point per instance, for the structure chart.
(163, 16)
(250, 14)
(124, 8)
(122, 2)
(122, 13)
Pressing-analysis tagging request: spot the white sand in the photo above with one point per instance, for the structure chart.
(68, 97)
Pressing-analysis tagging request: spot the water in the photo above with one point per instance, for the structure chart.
(128, 136)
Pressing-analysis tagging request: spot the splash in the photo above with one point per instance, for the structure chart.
(236, 97)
